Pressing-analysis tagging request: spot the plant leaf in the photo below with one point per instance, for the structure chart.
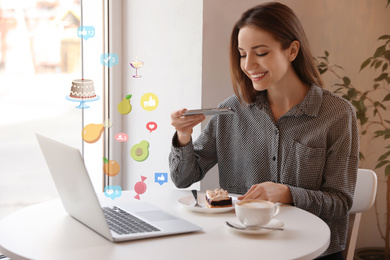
(361, 156)
(384, 67)
(380, 51)
(352, 93)
(373, 63)
(375, 112)
(366, 62)
(384, 156)
(382, 163)
(381, 77)
(105, 160)
(387, 55)
(382, 132)
(386, 98)
(347, 81)
(387, 170)
(322, 71)
(378, 64)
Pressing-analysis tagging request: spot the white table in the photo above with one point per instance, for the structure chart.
(46, 231)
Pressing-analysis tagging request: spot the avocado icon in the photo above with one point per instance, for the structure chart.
(140, 152)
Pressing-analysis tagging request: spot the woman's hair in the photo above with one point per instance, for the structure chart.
(283, 24)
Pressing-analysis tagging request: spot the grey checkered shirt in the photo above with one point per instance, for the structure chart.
(313, 149)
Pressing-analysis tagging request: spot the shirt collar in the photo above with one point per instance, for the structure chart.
(310, 105)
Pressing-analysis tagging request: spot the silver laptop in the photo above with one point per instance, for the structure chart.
(141, 220)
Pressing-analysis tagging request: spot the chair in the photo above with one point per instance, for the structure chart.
(365, 193)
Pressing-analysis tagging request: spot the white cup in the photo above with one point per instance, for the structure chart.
(256, 212)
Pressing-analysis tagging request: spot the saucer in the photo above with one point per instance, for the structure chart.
(273, 223)
(188, 202)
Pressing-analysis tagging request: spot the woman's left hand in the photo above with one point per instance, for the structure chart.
(274, 192)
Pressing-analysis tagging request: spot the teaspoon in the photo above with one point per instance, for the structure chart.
(236, 226)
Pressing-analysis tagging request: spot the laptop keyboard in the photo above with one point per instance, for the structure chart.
(123, 222)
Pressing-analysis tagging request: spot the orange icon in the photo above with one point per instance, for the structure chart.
(111, 168)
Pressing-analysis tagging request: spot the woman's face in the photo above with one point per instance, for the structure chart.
(262, 58)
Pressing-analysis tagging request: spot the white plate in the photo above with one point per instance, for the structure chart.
(188, 202)
(272, 223)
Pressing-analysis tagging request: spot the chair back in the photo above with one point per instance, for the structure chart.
(365, 191)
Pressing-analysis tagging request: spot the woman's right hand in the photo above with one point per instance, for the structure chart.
(184, 125)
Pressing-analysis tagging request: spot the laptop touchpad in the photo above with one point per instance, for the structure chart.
(155, 215)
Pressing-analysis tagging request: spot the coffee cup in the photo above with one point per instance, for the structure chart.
(256, 212)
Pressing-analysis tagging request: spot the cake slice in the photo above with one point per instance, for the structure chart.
(218, 198)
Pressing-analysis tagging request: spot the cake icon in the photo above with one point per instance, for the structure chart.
(82, 90)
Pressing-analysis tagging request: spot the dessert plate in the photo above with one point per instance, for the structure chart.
(188, 202)
(275, 223)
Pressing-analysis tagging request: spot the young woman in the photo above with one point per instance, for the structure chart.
(289, 140)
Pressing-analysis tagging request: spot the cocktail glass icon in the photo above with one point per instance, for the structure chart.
(136, 65)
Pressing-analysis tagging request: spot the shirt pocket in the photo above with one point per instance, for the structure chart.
(304, 166)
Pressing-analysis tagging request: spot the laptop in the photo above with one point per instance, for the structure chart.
(142, 220)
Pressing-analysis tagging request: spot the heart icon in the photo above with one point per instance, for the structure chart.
(109, 192)
(151, 126)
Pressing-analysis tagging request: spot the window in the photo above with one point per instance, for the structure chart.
(39, 58)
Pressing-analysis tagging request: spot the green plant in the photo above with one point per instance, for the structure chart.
(371, 107)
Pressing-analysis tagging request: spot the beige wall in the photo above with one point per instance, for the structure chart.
(348, 29)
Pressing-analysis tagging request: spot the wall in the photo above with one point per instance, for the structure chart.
(166, 37)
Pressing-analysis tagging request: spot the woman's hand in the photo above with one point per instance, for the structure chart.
(270, 191)
(184, 125)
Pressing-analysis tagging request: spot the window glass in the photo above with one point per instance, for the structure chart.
(39, 58)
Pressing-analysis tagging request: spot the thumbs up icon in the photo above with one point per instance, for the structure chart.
(149, 101)
(161, 177)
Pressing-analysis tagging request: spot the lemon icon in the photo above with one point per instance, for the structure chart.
(124, 107)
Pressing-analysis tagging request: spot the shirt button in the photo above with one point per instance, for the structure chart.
(273, 158)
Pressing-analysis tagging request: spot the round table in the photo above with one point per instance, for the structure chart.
(46, 231)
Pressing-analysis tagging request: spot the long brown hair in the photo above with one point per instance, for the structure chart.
(283, 24)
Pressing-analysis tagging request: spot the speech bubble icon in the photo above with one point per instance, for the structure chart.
(86, 32)
(121, 137)
(151, 126)
(113, 192)
(161, 177)
(109, 59)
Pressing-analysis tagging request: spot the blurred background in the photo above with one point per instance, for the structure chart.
(39, 58)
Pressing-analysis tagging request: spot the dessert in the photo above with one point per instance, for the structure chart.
(218, 198)
(82, 89)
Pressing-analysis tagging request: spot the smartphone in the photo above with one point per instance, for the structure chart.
(209, 111)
